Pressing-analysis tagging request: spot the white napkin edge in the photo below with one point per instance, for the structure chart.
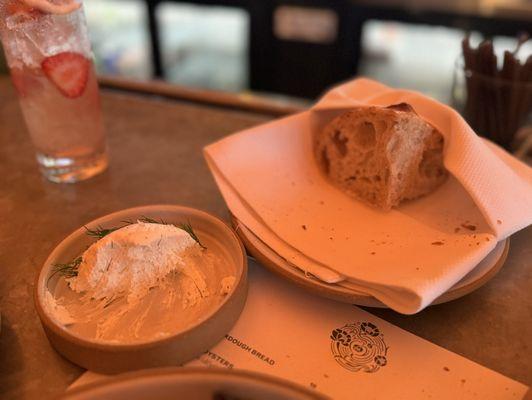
(399, 299)
(483, 268)
(402, 300)
(252, 221)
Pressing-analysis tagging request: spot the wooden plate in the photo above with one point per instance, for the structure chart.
(192, 383)
(174, 349)
(271, 260)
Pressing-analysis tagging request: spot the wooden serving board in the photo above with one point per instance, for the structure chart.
(275, 263)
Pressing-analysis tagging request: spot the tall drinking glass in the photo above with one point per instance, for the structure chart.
(50, 60)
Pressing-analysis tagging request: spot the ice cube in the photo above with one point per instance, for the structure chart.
(32, 39)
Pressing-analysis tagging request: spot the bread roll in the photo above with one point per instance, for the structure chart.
(382, 155)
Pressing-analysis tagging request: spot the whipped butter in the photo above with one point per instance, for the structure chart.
(132, 260)
(140, 282)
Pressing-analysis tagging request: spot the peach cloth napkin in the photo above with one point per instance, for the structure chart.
(406, 257)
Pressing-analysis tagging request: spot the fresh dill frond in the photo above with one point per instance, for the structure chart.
(99, 232)
(113, 300)
(149, 220)
(68, 270)
(188, 229)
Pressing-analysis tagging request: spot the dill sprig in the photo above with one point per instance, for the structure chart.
(68, 270)
(188, 229)
(99, 232)
(149, 220)
(113, 300)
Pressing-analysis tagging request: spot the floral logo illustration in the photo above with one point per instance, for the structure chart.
(359, 347)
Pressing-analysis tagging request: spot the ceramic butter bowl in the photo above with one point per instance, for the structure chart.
(177, 318)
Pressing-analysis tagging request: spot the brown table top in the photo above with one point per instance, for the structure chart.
(155, 147)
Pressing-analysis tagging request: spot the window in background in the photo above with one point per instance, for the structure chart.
(418, 57)
(414, 57)
(119, 37)
(204, 46)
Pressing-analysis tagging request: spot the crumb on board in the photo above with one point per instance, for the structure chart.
(446, 369)
(372, 253)
(487, 239)
(313, 385)
(463, 381)
(330, 238)
(478, 243)
(322, 202)
(417, 268)
(438, 243)
(325, 375)
(304, 227)
(499, 221)
(470, 227)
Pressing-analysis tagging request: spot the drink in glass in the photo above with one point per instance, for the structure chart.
(50, 60)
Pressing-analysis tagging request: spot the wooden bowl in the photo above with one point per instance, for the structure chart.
(178, 348)
(192, 383)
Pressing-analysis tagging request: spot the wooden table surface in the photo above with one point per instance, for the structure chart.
(155, 149)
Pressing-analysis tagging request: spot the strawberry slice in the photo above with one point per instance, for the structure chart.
(68, 71)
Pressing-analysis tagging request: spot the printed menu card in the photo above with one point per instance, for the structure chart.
(343, 351)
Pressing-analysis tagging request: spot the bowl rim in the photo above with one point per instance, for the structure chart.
(42, 276)
(172, 371)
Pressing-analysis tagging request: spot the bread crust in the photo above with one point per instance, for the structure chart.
(381, 155)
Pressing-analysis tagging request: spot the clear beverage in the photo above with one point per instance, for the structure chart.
(50, 60)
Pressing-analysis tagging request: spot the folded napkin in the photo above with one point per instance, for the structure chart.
(406, 257)
(498, 185)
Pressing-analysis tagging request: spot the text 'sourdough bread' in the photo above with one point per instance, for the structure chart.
(382, 155)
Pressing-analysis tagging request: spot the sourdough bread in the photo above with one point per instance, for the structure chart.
(381, 155)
